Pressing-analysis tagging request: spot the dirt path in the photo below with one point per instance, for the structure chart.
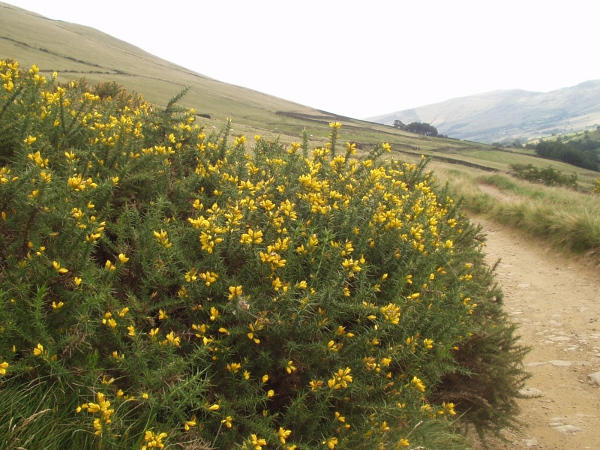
(556, 300)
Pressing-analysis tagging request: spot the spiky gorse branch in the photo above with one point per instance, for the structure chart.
(257, 299)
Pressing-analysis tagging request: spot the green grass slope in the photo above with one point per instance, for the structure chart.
(76, 51)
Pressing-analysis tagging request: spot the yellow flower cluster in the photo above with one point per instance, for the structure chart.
(340, 379)
(9, 72)
(153, 440)
(103, 411)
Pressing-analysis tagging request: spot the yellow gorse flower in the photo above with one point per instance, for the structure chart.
(257, 443)
(235, 291)
(57, 306)
(290, 367)
(38, 350)
(417, 384)
(153, 440)
(252, 237)
(103, 409)
(190, 424)
(172, 339)
(331, 442)
(162, 238)
(58, 267)
(227, 421)
(283, 434)
(234, 367)
(341, 379)
(30, 140)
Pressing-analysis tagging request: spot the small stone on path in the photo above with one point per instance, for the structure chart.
(558, 419)
(530, 392)
(535, 364)
(568, 429)
(530, 442)
(559, 362)
(595, 378)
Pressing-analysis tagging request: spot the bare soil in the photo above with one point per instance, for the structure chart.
(556, 300)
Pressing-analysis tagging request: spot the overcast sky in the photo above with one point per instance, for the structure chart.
(358, 58)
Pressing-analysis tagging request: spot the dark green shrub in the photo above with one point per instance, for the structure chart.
(161, 286)
(548, 176)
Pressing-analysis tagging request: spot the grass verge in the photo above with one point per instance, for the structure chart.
(566, 218)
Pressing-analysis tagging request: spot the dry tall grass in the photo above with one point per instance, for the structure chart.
(566, 218)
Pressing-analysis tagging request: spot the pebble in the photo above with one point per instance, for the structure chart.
(560, 362)
(530, 392)
(535, 364)
(594, 378)
(567, 429)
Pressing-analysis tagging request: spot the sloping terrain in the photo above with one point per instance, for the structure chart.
(76, 51)
(507, 115)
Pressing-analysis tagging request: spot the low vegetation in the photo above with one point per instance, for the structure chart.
(423, 128)
(576, 153)
(164, 287)
(566, 218)
(548, 176)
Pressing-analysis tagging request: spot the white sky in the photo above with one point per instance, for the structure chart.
(358, 58)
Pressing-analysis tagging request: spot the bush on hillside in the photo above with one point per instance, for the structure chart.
(570, 153)
(160, 286)
(423, 128)
(548, 176)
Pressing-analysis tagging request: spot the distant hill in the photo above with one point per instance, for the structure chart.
(506, 115)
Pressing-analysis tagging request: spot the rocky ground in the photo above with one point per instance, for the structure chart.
(556, 300)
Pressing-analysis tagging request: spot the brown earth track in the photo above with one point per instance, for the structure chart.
(556, 300)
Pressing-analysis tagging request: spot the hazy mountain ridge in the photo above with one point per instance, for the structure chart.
(509, 114)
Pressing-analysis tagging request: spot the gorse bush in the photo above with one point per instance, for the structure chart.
(161, 287)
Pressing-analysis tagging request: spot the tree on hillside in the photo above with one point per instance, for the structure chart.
(567, 153)
(422, 128)
(399, 124)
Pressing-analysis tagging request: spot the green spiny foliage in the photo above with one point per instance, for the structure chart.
(167, 286)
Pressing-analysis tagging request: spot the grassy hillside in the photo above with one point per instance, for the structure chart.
(76, 51)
